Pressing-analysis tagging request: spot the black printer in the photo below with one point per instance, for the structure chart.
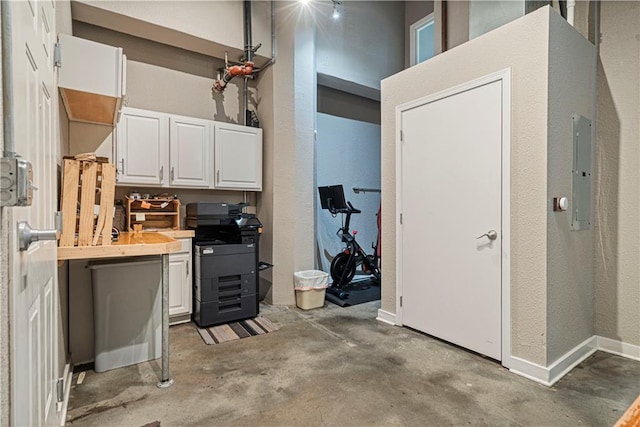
(225, 258)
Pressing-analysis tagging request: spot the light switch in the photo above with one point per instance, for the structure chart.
(560, 204)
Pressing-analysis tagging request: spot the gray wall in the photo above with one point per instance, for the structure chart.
(569, 253)
(617, 229)
(485, 16)
(365, 45)
(342, 104)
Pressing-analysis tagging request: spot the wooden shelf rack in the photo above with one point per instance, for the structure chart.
(153, 214)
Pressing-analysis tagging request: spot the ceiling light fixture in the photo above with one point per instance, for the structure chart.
(336, 9)
(304, 1)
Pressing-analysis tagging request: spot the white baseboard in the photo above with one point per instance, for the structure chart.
(527, 369)
(571, 359)
(68, 377)
(618, 348)
(386, 317)
(558, 369)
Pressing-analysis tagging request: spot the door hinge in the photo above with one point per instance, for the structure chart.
(57, 55)
(60, 390)
(400, 219)
(400, 301)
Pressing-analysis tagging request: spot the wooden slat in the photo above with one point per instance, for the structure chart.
(631, 417)
(87, 201)
(70, 181)
(105, 215)
(102, 213)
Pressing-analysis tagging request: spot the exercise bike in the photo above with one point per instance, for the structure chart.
(344, 264)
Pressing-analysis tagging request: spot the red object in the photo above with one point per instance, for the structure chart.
(379, 245)
(355, 232)
(230, 72)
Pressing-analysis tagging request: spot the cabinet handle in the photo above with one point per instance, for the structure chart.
(188, 268)
(218, 177)
(171, 174)
(161, 173)
(122, 163)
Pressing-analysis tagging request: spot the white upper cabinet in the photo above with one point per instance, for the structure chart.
(237, 157)
(190, 147)
(92, 79)
(165, 150)
(141, 147)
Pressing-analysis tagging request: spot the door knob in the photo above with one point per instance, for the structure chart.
(491, 234)
(27, 235)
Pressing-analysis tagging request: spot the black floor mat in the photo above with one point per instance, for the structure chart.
(359, 291)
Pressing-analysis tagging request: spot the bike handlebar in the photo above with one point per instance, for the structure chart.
(352, 209)
(349, 210)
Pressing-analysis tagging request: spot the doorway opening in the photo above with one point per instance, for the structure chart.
(348, 154)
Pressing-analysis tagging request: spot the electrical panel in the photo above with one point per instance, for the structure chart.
(16, 182)
(581, 189)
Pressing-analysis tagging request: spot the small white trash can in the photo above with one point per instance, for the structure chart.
(310, 287)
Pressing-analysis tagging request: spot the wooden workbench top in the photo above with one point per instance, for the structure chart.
(128, 244)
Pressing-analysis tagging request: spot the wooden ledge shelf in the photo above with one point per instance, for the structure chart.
(128, 244)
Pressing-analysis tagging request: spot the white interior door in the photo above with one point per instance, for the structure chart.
(34, 286)
(451, 196)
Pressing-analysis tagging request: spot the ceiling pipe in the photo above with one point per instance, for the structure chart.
(7, 81)
(248, 68)
(248, 55)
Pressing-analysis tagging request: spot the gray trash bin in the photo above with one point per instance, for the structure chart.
(127, 307)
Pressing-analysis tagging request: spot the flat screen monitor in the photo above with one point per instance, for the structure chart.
(332, 196)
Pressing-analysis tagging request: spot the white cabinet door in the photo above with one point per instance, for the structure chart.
(141, 147)
(237, 157)
(180, 281)
(189, 142)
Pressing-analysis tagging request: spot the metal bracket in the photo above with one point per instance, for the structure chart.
(60, 390)
(16, 182)
(57, 55)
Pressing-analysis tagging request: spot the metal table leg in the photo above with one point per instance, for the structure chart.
(165, 381)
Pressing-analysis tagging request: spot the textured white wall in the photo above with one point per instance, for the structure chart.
(523, 46)
(288, 198)
(209, 27)
(617, 231)
(572, 70)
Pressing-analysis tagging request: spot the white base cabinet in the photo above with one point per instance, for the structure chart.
(180, 272)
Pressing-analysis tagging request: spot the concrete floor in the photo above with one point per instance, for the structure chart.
(340, 367)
